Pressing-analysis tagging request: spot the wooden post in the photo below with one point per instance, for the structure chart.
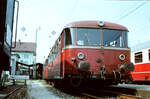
(25, 83)
(29, 72)
(14, 82)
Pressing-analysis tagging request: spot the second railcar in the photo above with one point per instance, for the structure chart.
(140, 56)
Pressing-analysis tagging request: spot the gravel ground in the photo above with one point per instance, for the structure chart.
(137, 87)
(141, 90)
(37, 89)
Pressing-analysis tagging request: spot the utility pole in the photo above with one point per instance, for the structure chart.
(37, 29)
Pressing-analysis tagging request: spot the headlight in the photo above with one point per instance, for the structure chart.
(122, 57)
(81, 55)
(101, 23)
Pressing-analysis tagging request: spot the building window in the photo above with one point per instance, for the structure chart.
(149, 54)
(25, 62)
(26, 56)
(138, 57)
(21, 61)
(13, 62)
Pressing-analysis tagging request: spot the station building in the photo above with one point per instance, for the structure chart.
(24, 53)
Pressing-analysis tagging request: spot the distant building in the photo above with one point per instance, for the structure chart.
(26, 52)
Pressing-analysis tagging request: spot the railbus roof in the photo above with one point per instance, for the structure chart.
(95, 24)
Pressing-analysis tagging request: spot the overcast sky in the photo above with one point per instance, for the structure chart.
(45, 16)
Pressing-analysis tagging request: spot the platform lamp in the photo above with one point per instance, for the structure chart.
(36, 32)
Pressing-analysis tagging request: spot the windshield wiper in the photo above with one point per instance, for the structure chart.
(86, 38)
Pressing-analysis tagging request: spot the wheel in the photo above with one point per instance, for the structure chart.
(76, 82)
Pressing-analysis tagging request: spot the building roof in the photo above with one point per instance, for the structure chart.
(141, 46)
(95, 24)
(24, 47)
(17, 55)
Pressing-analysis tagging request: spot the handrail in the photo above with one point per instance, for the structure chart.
(16, 23)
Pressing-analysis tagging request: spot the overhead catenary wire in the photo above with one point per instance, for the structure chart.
(132, 11)
(72, 10)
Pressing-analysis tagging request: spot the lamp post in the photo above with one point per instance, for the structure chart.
(36, 31)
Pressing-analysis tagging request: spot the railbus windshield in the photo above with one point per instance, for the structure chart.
(88, 36)
(96, 37)
(110, 37)
(115, 38)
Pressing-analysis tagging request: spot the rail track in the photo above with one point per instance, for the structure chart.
(123, 96)
(14, 92)
(111, 94)
(105, 93)
(108, 92)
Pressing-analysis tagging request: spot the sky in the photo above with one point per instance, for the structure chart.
(46, 16)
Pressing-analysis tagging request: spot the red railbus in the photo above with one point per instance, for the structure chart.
(90, 51)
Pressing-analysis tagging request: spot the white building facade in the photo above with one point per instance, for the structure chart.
(26, 53)
(14, 59)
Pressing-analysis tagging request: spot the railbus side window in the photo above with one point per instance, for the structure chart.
(138, 57)
(55, 50)
(126, 39)
(53, 53)
(69, 36)
(59, 47)
(50, 58)
(149, 54)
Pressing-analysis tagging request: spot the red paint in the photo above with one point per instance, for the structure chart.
(109, 58)
(141, 72)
